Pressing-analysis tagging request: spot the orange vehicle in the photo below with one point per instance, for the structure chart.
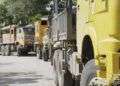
(41, 30)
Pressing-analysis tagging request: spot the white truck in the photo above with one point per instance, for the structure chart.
(17, 39)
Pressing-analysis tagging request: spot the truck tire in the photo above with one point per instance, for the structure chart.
(61, 78)
(25, 52)
(88, 73)
(39, 54)
(55, 75)
(56, 65)
(19, 52)
(7, 50)
(67, 80)
(3, 50)
(46, 55)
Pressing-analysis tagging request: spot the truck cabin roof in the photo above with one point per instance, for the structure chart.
(8, 27)
(28, 29)
(29, 26)
(44, 19)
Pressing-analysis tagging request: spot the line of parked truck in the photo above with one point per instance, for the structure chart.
(80, 37)
(25, 39)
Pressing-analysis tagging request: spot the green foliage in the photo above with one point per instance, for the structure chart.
(22, 12)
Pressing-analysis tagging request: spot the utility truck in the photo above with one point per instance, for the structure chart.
(86, 42)
(41, 38)
(17, 39)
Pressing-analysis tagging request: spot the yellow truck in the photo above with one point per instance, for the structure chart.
(41, 38)
(20, 39)
(92, 58)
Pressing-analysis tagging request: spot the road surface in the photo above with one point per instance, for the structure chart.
(25, 71)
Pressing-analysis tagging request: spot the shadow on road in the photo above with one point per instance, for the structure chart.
(29, 55)
(20, 78)
(2, 64)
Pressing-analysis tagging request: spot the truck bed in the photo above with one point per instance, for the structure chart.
(8, 39)
(62, 27)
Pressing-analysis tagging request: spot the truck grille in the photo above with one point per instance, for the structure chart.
(29, 39)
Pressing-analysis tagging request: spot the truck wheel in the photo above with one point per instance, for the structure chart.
(19, 52)
(39, 54)
(76, 82)
(64, 80)
(62, 77)
(57, 69)
(45, 57)
(24, 52)
(7, 50)
(3, 50)
(88, 73)
(55, 76)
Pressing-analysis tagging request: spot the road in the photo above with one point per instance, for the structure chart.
(25, 71)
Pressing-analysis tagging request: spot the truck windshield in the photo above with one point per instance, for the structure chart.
(29, 31)
(6, 31)
(43, 22)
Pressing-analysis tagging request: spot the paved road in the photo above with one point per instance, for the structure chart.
(25, 71)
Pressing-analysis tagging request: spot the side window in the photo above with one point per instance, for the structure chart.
(44, 22)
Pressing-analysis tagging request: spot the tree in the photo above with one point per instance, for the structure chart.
(5, 18)
(23, 11)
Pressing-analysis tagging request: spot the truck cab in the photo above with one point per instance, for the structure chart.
(25, 35)
(25, 39)
(98, 39)
(41, 32)
(8, 34)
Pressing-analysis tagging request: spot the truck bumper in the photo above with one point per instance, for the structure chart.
(97, 81)
(109, 68)
(116, 80)
(27, 48)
